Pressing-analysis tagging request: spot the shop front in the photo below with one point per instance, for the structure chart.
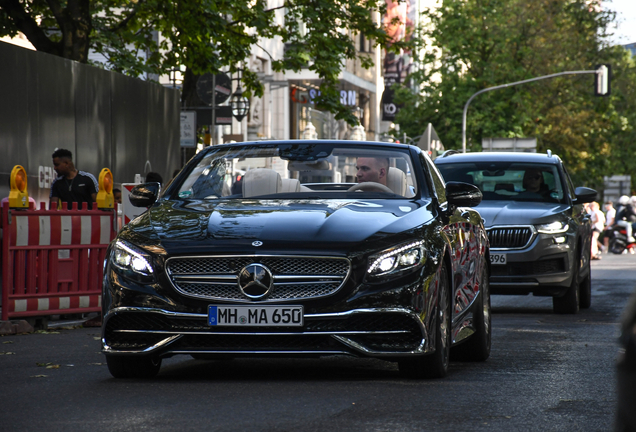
(303, 111)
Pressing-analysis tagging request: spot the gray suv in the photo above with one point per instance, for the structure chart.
(538, 229)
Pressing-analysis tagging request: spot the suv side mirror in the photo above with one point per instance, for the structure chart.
(144, 195)
(584, 195)
(461, 194)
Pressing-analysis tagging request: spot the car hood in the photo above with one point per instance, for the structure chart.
(497, 213)
(278, 222)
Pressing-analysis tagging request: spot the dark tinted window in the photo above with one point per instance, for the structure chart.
(510, 181)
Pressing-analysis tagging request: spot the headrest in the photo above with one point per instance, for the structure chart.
(290, 185)
(396, 180)
(261, 181)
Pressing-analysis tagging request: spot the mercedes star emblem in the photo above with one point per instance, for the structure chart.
(255, 281)
(257, 243)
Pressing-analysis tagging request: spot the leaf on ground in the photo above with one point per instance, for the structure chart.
(97, 338)
(47, 332)
(7, 342)
(39, 376)
(53, 366)
(96, 364)
(44, 364)
(6, 353)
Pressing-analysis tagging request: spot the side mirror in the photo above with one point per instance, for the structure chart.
(461, 194)
(584, 195)
(144, 195)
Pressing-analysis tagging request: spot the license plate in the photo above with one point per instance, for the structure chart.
(256, 316)
(497, 259)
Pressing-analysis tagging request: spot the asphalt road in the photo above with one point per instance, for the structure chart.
(546, 373)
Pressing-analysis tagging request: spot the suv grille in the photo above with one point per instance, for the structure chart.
(295, 278)
(509, 237)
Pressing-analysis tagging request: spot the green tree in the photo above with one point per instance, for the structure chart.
(470, 45)
(203, 35)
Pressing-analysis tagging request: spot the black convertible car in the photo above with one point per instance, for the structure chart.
(300, 248)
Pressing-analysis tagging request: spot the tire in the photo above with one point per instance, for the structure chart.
(569, 302)
(434, 365)
(585, 289)
(133, 367)
(477, 347)
(617, 246)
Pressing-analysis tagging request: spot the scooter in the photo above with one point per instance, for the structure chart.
(618, 243)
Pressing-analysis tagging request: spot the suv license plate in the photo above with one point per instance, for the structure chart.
(256, 316)
(497, 259)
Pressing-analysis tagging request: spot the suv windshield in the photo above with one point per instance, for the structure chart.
(510, 181)
(303, 170)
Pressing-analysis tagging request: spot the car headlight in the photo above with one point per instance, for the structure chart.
(555, 227)
(397, 259)
(132, 262)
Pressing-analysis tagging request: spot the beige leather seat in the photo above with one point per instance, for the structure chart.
(261, 181)
(290, 185)
(396, 181)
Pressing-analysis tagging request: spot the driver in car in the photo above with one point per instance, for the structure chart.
(371, 169)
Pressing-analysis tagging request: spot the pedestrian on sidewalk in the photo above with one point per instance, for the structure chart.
(598, 225)
(71, 185)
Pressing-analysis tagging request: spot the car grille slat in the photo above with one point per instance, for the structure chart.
(290, 276)
(509, 237)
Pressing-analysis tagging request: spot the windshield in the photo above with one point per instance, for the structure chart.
(510, 181)
(298, 170)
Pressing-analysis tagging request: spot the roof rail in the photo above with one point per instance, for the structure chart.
(449, 152)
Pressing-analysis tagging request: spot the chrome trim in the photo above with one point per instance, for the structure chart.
(525, 284)
(533, 235)
(336, 335)
(222, 278)
(306, 316)
(210, 279)
(153, 310)
(358, 347)
(262, 333)
(233, 278)
(166, 341)
(312, 353)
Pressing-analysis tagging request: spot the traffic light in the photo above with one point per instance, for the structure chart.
(602, 80)
(18, 196)
(105, 197)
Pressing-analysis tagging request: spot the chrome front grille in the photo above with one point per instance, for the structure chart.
(294, 278)
(509, 237)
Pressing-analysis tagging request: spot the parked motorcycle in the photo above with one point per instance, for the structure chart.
(618, 243)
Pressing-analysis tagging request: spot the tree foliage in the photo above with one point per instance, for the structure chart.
(203, 35)
(470, 45)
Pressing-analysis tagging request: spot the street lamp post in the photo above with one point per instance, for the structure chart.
(240, 104)
(599, 72)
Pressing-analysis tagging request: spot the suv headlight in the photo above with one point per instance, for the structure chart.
(132, 262)
(556, 227)
(397, 259)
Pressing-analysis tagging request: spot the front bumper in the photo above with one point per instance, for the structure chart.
(544, 267)
(375, 332)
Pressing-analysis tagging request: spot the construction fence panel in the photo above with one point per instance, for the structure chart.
(52, 260)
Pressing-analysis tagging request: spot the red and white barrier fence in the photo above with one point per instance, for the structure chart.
(52, 260)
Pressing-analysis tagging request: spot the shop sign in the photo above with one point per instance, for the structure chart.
(347, 97)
